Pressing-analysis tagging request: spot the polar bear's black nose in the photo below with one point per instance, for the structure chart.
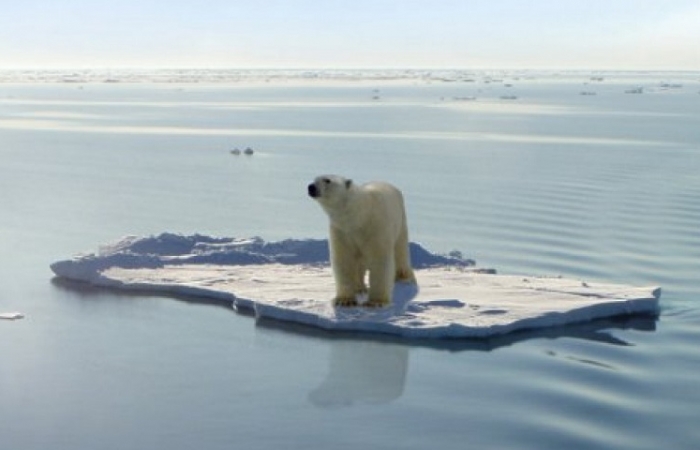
(313, 191)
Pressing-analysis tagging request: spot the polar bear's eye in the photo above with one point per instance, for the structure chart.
(327, 180)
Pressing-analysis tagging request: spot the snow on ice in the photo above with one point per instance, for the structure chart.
(291, 281)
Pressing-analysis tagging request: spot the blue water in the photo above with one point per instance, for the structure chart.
(601, 187)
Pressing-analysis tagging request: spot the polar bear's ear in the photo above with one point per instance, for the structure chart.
(348, 183)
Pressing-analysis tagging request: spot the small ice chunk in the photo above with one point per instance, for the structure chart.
(11, 315)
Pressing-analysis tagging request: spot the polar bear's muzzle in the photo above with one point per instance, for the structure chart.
(314, 191)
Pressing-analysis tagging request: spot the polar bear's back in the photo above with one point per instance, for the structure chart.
(382, 188)
(384, 203)
(388, 195)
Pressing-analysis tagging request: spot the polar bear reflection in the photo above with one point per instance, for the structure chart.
(362, 372)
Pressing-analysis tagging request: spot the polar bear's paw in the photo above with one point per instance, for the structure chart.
(345, 302)
(377, 303)
(405, 276)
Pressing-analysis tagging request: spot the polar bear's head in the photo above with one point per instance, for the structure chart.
(329, 190)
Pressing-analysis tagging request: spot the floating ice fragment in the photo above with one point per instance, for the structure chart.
(11, 315)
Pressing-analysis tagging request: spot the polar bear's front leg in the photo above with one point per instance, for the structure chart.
(346, 267)
(381, 281)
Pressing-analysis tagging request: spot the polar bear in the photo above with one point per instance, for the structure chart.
(368, 232)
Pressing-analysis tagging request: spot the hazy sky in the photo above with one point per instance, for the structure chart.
(623, 34)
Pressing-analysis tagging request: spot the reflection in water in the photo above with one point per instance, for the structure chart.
(371, 368)
(362, 372)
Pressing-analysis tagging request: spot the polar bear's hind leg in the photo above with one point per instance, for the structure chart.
(402, 256)
(381, 282)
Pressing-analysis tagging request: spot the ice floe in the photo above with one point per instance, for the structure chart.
(11, 315)
(291, 281)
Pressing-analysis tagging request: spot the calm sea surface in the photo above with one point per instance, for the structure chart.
(554, 181)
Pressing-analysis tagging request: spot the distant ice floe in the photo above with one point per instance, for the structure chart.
(184, 76)
(291, 281)
(11, 315)
(507, 78)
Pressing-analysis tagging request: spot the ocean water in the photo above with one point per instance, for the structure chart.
(532, 173)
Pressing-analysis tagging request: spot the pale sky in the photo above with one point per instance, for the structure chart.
(549, 34)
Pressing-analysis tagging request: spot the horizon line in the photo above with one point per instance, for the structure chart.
(343, 68)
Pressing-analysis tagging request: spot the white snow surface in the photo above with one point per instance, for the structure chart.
(292, 281)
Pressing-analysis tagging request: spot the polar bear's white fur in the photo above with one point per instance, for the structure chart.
(368, 232)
